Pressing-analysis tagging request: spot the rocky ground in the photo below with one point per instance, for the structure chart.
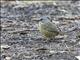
(21, 40)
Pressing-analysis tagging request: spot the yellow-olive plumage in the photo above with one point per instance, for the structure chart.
(47, 28)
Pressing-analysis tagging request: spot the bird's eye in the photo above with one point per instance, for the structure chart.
(41, 19)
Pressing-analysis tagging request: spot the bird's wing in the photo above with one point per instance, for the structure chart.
(50, 27)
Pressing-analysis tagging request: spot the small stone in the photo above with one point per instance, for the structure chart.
(64, 11)
(5, 46)
(54, 3)
(8, 58)
(60, 37)
(3, 55)
(79, 43)
(78, 57)
(35, 19)
(52, 52)
(41, 49)
(56, 22)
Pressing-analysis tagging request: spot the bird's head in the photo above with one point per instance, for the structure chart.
(45, 19)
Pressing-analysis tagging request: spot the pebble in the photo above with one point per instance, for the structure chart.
(78, 57)
(8, 58)
(5, 46)
(53, 52)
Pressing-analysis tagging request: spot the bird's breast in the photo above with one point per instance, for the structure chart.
(45, 32)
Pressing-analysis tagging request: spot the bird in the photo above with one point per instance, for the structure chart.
(47, 28)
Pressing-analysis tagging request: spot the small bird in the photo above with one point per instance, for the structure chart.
(47, 28)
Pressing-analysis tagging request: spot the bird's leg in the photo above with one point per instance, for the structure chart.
(47, 40)
(52, 40)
